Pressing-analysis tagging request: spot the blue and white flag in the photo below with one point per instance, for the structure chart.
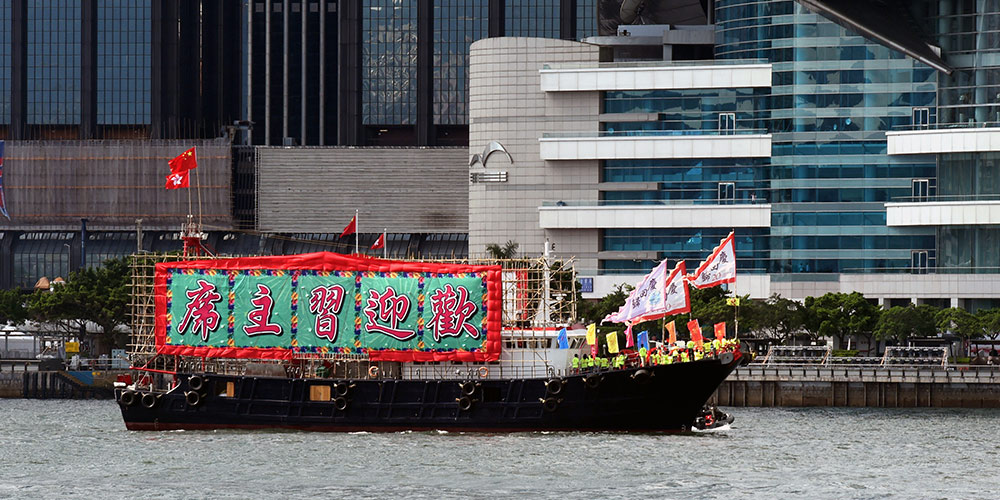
(563, 339)
(643, 340)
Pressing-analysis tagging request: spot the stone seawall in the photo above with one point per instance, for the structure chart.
(893, 387)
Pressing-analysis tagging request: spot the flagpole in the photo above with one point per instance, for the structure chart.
(736, 311)
(356, 247)
(385, 245)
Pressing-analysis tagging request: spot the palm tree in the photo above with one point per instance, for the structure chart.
(507, 251)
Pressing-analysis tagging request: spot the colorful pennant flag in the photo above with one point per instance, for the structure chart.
(695, 330)
(672, 330)
(593, 350)
(719, 268)
(733, 301)
(563, 339)
(612, 342)
(379, 243)
(720, 330)
(185, 161)
(592, 334)
(352, 227)
(657, 295)
(644, 339)
(3, 201)
(628, 336)
(178, 180)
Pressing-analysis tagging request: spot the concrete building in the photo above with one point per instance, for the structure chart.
(816, 134)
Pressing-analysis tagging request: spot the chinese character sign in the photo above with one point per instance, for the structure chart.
(243, 308)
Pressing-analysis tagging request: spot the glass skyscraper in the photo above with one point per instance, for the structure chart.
(834, 95)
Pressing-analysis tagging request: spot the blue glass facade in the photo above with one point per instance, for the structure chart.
(5, 74)
(688, 109)
(833, 97)
(54, 62)
(683, 244)
(123, 61)
(537, 18)
(586, 18)
(458, 23)
(389, 62)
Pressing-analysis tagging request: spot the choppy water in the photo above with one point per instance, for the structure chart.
(80, 449)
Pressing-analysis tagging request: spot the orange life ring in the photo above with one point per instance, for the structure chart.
(373, 371)
(484, 372)
(709, 420)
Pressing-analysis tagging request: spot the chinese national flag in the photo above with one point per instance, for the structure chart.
(720, 330)
(187, 160)
(380, 242)
(351, 228)
(177, 180)
(695, 330)
(672, 330)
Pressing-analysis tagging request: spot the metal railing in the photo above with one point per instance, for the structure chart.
(894, 356)
(652, 133)
(945, 126)
(945, 198)
(629, 203)
(652, 64)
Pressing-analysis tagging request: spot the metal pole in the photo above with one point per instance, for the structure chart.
(385, 244)
(138, 235)
(356, 228)
(83, 243)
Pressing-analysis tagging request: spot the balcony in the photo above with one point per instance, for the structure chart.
(658, 75)
(631, 145)
(654, 214)
(944, 211)
(945, 138)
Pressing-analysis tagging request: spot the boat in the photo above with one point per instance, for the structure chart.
(273, 342)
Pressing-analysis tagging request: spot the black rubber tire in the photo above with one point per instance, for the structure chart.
(128, 398)
(193, 398)
(149, 400)
(554, 386)
(341, 388)
(464, 403)
(468, 388)
(196, 382)
(593, 381)
(642, 376)
(340, 403)
(550, 404)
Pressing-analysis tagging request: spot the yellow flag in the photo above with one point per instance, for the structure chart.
(591, 334)
(613, 342)
(733, 301)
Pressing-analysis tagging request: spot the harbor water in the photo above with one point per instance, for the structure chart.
(80, 449)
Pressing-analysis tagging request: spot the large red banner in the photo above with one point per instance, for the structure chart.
(280, 307)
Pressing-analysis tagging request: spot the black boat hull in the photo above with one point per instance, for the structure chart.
(664, 398)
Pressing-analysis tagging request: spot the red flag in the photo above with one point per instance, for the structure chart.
(187, 160)
(380, 242)
(351, 228)
(720, 330)
(177, 180)
(673, 332)
(695, 332)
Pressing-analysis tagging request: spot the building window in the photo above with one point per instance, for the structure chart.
(389, 62)
(535, 18)
(457, 23)
(123, 62)
(5, 63)
(54, 62)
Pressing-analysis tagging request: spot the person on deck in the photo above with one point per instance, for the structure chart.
(642, 356)
(576, 363)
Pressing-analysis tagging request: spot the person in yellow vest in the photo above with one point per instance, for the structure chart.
(642, 355)
(684, 355)
(620, 361)
(576, 363)
(587, 362)
(605, 363)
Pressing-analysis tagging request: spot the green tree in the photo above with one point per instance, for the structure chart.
(958, 321)
(989, 322)
(776, 317)
(840, 315)
(594, 312)
(507, 251)
(902, 323)
(94, 295)
(12, 309)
